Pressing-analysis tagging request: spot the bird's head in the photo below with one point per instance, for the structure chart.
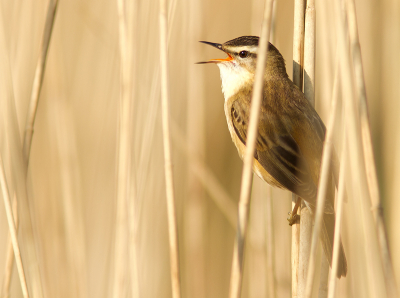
(238, 69)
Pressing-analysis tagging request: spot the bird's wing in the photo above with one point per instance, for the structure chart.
(276, 150)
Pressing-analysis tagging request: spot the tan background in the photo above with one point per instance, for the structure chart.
(72, 172)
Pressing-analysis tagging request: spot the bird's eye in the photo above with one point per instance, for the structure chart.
(243, 54)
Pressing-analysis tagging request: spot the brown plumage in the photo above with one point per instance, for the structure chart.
(290, 132)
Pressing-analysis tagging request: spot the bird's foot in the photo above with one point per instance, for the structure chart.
(293, 217)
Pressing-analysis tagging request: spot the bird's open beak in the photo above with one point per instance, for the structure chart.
(219, 47)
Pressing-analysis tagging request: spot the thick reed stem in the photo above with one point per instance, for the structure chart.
(298, 64)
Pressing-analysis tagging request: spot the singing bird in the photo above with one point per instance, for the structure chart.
(290, 132)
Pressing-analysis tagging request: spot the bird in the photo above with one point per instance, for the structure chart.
(290, 132)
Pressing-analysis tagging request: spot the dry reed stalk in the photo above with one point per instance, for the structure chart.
(247, 174)
(338, 218)
(265, 192)
(5, 288)
(257, 277)
(295, 251)
(306, 227)
(325, 174)
(309, 52)
(323, 277)
(31, 115)
(298, 42)
(368, 149)
(127, 38)
(271, 281)
(172, 225)
(272, 37)
(323, 287)
(133, 263)
(356, 158)
(306, 219)
(38, 79)
(125, 191)
(298, 52)
(143, 165)
(270, 253)
(13, 230)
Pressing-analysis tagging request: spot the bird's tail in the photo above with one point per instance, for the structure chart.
(327, 233)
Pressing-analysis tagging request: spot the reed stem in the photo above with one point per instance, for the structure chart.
(247, 174)
(298, 65)
(31, 115)
(13, 230)
(38, 79)
(306, 254)
(125, 247)
(369, 160)
(338, 217)
(172, 225)
(324, 179)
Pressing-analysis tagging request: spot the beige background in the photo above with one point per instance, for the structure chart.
(72, 172)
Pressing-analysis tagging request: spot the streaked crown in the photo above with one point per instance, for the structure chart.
(248, 46)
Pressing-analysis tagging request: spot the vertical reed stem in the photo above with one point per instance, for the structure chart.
(338, 218)
(125, 253)
(306, 219)
(322, 188)
(298, 42)
(38, 79)
(172, 225)
(247, 175)
(31, 115)
(325, 266)
(298, 52)
(356, 152)
(13, 230)
(309, 52)
(368, 150)
(270, 244)
(323, 277)
(5, 289)
(270, 251)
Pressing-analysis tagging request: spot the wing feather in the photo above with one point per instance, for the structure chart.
(290, 138)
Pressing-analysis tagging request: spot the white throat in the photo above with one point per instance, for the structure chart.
(233, 77)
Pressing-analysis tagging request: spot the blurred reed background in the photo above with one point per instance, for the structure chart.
(72, 174)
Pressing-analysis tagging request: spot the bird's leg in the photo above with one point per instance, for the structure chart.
(293, 215)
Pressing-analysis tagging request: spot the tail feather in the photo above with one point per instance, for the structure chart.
(327, 234)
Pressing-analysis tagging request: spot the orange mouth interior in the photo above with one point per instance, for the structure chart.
(229, 58)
